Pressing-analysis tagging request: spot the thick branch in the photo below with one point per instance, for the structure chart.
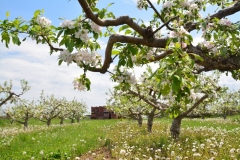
(160, 43)
(114, 22)
(11, 94)
(184, 114)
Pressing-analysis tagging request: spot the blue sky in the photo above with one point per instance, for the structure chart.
(33, 63)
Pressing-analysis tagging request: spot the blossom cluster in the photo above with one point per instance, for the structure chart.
(79, 84)
(81, 33)
(125, 76)
(179, 33)
(43, 22)
(225, 22)
(68, 24)
(82, 56)
(141, 4)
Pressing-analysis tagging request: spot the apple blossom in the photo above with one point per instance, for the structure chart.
(43, 22)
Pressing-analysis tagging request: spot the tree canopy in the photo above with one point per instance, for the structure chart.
(134, 42)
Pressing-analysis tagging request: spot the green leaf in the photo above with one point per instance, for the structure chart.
(37, 13)
(153, 74)
(25, 27)
(95, 35)
(7, 14)
(6, 38)
(197, 57)
(16, 40)
(215, 36)
(87, 83)
(115, 52)
(110, 4)
(70, 46)
(176, 85)
(123, 27)
(59, 33)
(166, 89)
(60, 62)
(128, 31)
(177, 45)
(132, 49)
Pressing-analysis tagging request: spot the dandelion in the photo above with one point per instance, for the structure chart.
(122, 151)
(232, 150)
(77, 158)
(196, 155)
(24, 152)
(41, 152)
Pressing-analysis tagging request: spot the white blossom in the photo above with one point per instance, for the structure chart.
(225, 22)
(67, 24)
(43, 21)
(96, 28)
(79, 86)
(168, 4)
(66, 56)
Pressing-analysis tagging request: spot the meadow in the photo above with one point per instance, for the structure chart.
(200, 139)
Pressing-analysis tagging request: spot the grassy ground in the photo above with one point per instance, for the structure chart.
(42, 142)
(115, 139)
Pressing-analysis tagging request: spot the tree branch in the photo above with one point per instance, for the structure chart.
(165, 23)
(220, 14)
(114, 22)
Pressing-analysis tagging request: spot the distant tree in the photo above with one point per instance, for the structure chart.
(48, 108)
(6, 93)
(76, 110)
(21, 112)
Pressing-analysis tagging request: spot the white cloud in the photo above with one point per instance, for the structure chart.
(33, 63)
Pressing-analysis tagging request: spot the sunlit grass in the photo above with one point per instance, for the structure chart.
(200, 139)
(60, 142)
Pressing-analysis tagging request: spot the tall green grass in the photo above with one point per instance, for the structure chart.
(211, 138)
(54, 142)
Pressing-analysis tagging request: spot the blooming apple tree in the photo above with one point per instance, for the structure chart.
(21, 112)
(227, 104)
(131, 42)
(6, 93)
(76, 110)
(130, 106)
(204, 89)
(49, 108)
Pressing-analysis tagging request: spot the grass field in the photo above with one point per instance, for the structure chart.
(213, 138)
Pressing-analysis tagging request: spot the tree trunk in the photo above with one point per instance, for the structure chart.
(140, 120)
(150, 120)
(72, 120)
(78, 120)
(48, 122)
(224, 114)
(25, 124)
(175, 128)
(61, 121)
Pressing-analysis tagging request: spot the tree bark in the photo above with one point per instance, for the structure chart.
(72, 120)
(175, 128)
(78, 120)
(150, 120)
(48, 122)
(25, 124)
(140, 120)
(61, 121)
